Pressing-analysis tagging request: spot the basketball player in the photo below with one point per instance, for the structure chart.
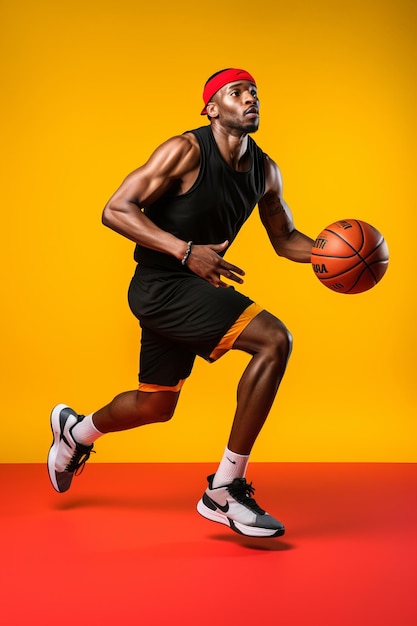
(183, 208)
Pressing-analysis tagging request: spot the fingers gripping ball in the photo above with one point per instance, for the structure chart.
(350, 256)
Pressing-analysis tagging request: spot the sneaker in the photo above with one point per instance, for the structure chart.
(234, 506)
(66, 457)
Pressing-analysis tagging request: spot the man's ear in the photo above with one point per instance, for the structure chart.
(212, 109)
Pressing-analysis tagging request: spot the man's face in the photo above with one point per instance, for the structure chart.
(237, 106)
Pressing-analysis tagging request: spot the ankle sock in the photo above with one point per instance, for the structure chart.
(85, 432)
(231, 466)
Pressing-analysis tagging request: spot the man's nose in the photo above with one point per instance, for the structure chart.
(249, 97)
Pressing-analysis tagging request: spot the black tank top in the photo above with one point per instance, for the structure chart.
(215, 207)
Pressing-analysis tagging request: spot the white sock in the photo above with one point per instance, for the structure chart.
(231, 466)
(85, 432)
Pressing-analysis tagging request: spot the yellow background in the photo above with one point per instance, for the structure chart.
(89, 89)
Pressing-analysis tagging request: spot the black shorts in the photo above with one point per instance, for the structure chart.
(181, 316)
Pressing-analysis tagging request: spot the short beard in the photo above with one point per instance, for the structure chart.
(250, 127)
(253, 127)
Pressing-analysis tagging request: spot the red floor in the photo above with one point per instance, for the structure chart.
(126, 547)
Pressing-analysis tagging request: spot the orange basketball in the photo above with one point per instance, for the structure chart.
(350, 256)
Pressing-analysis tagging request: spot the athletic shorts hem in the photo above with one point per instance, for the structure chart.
(227, 341)
(151, 388)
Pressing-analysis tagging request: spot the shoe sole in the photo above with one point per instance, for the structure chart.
(53, 450)
(241, 529)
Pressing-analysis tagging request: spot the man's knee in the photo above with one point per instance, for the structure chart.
(157, 406)
(160, 413)
(282, 341)
(268, 335)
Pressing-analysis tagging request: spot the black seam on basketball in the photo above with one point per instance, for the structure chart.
(367, 261)
(360, 276)
(362, 259)
(363, 236)
(324, 278)
(333, 256)
(344, 240)
(373, 250)
(367, 266)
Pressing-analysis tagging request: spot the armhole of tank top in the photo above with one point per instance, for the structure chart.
(259, 155)
(262, 164)
(202, 166)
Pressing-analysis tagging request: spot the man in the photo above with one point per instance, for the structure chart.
(183, 208)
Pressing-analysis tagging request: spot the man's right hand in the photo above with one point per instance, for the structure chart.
(206, 262)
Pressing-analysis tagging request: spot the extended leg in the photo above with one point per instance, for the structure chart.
(69, 450)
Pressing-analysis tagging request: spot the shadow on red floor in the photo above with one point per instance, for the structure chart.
(126, 546)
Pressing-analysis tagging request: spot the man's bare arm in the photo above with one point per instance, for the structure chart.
(278, 221)
(171, 162)
(175, 161)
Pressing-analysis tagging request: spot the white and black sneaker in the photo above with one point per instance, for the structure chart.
(66, 456)
(234, 506)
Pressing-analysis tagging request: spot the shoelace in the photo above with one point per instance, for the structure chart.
(79, 458)
(242, 491)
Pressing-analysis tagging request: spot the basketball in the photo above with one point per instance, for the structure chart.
(350, 256)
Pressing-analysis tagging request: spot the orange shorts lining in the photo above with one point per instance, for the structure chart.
(148, 387)
(226, 342)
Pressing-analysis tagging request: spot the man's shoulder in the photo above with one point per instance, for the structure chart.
(179, 148)
(185, 142)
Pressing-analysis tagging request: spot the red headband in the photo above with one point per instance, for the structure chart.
(221, 79)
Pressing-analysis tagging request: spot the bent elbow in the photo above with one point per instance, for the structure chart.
(107, 216)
